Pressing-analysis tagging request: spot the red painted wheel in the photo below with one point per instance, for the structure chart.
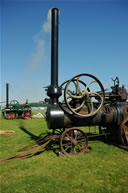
(11, 116)
(27, 115)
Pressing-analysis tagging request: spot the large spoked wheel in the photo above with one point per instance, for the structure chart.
(14, 102)
(73, 142)
(84, 99)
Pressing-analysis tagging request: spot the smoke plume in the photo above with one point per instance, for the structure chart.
(39, 57)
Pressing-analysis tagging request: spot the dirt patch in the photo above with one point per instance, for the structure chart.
(7, 132)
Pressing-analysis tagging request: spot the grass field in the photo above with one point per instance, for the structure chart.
(103, 170)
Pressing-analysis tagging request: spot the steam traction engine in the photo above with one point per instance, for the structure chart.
(79, 101)
(14, 109)
(85, 103)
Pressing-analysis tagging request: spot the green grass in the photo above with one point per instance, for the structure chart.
(103, 170)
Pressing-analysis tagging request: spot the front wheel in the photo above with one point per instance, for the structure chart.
(73, 142)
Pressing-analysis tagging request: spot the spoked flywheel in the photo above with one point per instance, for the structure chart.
(84, 95)
(14, 102)
(73, 142)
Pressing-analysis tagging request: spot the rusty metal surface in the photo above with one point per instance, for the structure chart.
(124, 133)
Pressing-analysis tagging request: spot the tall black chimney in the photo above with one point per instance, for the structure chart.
(54, 115)
(53, 90)
(7, 95)
(54, 46)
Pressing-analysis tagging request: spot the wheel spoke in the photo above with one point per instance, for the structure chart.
(67, 148)
(75, 149)
(70, 93)
(78, 108)
(76, 135)
(68, 136)
(95, 93)
(81, 140)
(102, 100)
(75, 85)
(78, 86)
(92, 107)
(86, 88)
(74, 96)
(67, 143)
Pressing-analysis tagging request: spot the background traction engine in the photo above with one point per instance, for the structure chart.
(14, 109)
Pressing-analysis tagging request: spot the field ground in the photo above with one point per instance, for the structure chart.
(103, 170)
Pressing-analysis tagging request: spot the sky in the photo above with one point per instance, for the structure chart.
(93, 38)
